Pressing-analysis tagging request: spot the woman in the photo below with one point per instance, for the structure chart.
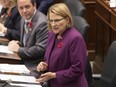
(65, 57)
(10, 20)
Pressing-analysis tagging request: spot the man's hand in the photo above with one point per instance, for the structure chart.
(13, 46)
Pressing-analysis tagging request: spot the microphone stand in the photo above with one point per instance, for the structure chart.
(6, 82)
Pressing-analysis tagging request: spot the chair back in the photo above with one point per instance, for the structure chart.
(108, 75)
(83, 27)
(76, 7)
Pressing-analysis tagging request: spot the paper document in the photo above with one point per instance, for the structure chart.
(25, 85)
(14, 68)
(18, 78)
(1, 34)
(4, 49)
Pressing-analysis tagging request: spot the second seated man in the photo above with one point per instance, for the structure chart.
(34, 34)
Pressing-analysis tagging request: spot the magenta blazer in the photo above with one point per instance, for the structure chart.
(67, 58)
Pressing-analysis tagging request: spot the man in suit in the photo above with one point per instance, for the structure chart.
(33, 40)
(43, 5)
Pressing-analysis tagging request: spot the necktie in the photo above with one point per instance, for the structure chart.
(26, 34)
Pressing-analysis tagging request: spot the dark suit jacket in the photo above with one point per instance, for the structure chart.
(43, 5)
(13, 24)
(33, 53)
(67, 58)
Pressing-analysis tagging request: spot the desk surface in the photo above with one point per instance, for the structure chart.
(18, 81)
(9, 58)
(3, 39)
(6, 57)
(24, 85)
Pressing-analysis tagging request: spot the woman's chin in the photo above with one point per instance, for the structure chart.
(56, 32)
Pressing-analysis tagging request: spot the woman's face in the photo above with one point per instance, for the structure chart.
(4, 3)
(58, 23)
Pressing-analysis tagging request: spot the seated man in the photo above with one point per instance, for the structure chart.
(34, 33)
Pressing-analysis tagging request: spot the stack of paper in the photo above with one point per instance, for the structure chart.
(17, 74)
(20, 80)
(25, 85)
(4, 49)
(1, 34)
(14, 68)
(112, 3)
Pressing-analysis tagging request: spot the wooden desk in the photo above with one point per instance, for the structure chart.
(105, 21)
(18, 80)
(3, 40)
(9, 58)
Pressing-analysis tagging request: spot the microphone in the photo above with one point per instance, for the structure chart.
(36, 73)
(44, 84)
(6, 82)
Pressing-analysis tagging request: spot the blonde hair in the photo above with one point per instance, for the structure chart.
(12, 2)
(62, 10)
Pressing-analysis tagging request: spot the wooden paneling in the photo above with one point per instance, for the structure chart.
(113, 22)
(103, 11)
(90, 17)
(105, 26)
(102, 38)
(102, 20)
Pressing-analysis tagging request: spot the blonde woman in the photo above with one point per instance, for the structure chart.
(65, 57)
(10, 20)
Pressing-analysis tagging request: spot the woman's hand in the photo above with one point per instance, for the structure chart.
(3, 29)
(46, 76)
(42, 66)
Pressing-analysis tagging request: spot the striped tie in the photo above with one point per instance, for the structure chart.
(26, 34)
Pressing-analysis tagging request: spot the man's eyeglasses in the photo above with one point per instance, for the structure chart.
(56, 20)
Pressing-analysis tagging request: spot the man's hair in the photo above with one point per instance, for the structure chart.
(32, 1)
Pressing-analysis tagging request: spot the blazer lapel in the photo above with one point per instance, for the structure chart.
(22, 31)
(34, 20)
(51, 45)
